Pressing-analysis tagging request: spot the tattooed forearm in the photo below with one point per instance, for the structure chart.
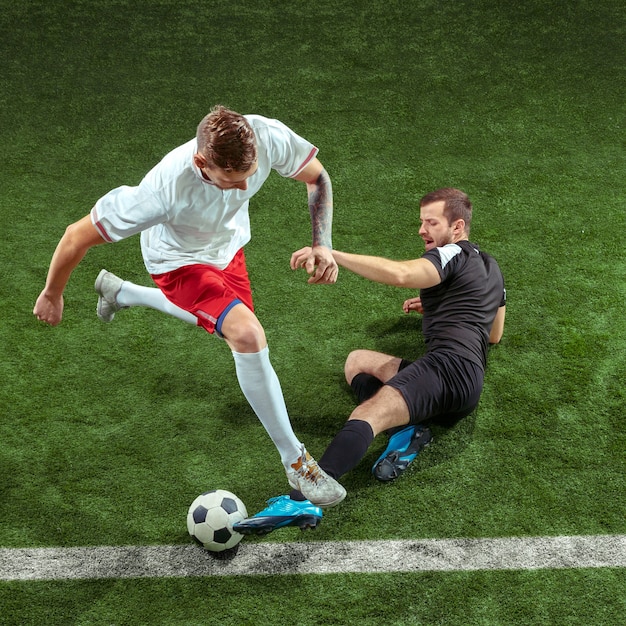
(321, 209)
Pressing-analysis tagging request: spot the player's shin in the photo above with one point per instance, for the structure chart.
(262, 390)
(347, 448)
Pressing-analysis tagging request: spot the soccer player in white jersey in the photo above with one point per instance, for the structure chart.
(192, 212)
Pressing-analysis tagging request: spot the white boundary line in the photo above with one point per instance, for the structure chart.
(516, 553)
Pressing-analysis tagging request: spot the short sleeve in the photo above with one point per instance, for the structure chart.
(126, 211)
(288, 153)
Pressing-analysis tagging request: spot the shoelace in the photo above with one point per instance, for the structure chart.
(310, 470)
(272, 502)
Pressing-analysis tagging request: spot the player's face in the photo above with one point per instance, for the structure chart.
(226, 180)
(434, 229)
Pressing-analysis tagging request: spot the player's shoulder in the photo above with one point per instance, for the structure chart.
(267, 126)
(460, 254)
(474, 249)
(442, 255)
(489, 262)
(176, 163)
(254, 119)
(487, 257)
(179, 157)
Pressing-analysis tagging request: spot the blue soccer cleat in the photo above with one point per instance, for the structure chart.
(281, 511)
(402, 448)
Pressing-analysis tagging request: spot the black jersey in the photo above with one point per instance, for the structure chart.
(459, 311)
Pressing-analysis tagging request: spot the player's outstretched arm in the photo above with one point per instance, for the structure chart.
(413, 274)
(78, 238)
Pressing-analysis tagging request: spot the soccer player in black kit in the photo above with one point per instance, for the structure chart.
(462, 300)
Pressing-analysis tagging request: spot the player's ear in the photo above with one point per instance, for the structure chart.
(199, 160)
(459, 227)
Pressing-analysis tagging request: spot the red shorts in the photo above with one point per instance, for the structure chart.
(206, 291)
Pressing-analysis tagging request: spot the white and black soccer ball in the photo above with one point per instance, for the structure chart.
(211, 517)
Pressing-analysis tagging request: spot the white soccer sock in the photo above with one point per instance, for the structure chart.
(136, 295)
(262, 390)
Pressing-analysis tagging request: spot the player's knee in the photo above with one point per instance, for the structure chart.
(353, 364)
(246, 337)
(367, 412)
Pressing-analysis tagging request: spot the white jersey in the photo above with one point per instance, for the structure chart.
(183, 218)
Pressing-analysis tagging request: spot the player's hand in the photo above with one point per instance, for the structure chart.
(413, 304)
(318, 262)
(49, 310)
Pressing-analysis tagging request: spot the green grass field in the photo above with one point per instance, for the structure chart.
(108, 432)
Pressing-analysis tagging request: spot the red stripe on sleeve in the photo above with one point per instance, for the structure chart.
(311, 156)
(99, 227)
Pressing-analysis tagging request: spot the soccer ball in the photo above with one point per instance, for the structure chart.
(211, 517)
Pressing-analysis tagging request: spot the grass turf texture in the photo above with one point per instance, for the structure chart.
(109, 431)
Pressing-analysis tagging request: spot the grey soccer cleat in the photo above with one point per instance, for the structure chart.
(313, 482)
(107, 286)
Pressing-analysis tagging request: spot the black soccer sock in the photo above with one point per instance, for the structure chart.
(295, 494)
(365, 386)
(347, 448)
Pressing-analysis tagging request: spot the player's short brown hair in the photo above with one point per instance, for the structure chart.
(457, 204)
(226, 140)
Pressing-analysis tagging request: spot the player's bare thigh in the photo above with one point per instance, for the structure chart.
(383, 366)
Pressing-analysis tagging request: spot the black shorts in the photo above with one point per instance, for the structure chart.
(439, 385)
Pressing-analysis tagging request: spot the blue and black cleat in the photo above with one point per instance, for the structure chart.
(401, 450)
(281, 511)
